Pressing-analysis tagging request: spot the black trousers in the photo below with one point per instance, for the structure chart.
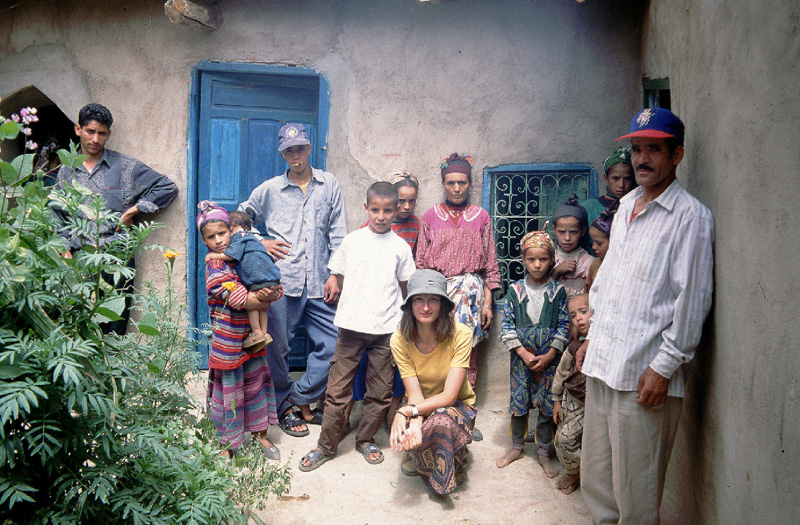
(126, 286)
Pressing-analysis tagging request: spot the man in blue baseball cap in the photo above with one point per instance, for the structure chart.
(649, 303)
(303, 211)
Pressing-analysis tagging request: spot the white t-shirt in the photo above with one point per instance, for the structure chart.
(372, 265)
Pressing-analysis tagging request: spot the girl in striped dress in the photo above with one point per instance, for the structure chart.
(240, 394)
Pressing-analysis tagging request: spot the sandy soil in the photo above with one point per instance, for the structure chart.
(347, 490)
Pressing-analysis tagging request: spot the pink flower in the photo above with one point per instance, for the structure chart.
(31, 145)
(15, 118)
(25, 131)
(28, 115)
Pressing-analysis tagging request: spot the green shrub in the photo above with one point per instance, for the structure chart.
(98, 428)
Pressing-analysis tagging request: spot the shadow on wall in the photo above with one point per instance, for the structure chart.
(691, 473)
(53, 131)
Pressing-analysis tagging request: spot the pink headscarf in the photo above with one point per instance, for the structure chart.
(209, 211)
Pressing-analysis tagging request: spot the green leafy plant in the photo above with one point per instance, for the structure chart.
(96, 428)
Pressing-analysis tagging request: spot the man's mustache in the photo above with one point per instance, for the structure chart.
(644, 167)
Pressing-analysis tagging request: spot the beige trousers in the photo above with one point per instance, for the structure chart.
(626, 450)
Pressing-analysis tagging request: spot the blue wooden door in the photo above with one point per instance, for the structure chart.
(239, 115)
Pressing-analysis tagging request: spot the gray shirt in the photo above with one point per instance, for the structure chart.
(313, 223)
(122, 182)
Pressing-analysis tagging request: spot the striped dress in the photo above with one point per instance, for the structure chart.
(240, 394)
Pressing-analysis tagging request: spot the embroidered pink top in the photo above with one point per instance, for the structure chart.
(456, 249)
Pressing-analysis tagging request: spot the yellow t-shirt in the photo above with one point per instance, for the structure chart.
(304, 187)
(432, 369)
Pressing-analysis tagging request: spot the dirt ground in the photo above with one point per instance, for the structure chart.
(347, 490)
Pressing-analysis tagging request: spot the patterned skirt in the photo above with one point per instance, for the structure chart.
(445, 435)
(241, 400)
(529, 388)
(466, 292)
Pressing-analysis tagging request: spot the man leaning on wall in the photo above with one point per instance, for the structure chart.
(649, 301)
(128, 187)
(303, 212)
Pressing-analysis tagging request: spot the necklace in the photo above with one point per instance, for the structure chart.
(455, 210)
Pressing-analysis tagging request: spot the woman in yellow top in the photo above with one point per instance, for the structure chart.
(432, 353)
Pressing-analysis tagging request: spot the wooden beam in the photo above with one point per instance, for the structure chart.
(192, 14)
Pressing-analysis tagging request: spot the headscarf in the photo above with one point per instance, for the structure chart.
(456, 163)
(620, 155)
(209, 211)
(538, 239)
(603, 222)
(571, 207)
(399, 176)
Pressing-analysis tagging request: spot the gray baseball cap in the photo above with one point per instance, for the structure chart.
(292, 134)
(427, 281)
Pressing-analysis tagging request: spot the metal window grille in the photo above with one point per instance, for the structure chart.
(522, 198)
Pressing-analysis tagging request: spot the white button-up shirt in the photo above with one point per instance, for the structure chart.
(653, 291)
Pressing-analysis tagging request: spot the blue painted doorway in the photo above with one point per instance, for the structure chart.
(236, 112)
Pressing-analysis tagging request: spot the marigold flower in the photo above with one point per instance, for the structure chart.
(171, 254)
(229, 285)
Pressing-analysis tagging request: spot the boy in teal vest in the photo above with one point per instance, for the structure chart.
(534, 330)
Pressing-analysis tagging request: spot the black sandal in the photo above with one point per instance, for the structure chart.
(291, 419)
(315, 460)
(370, 448)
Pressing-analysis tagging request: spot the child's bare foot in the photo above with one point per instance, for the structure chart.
(511, 456)
(568, 483)
(550, 470)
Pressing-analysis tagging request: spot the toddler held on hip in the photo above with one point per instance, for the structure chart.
(256, 269)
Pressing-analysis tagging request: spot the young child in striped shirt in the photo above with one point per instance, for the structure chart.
(256, 269)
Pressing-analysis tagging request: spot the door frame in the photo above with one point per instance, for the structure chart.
(193, 138)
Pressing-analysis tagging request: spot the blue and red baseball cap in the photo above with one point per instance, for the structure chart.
(655, 123)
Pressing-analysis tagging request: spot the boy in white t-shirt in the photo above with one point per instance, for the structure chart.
(372, 267)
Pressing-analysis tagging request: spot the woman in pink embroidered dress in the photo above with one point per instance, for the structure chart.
(457, 240)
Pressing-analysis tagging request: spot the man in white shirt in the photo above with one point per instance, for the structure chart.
(649, 300)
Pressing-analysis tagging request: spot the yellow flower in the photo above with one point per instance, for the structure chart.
(171, 254)
(229, 285)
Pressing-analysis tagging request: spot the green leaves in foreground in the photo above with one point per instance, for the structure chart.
(94, 428)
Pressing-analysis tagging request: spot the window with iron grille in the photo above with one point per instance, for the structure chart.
(520, 198)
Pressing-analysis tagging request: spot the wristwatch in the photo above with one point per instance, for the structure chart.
(414, 410)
